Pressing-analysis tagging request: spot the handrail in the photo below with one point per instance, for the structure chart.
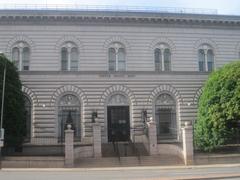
(116, 149)
(135, 150)
(117, 152)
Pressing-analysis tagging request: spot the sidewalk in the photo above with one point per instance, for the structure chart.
(217, 171)
(125, 168)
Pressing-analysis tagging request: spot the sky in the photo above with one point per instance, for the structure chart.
(231, 7)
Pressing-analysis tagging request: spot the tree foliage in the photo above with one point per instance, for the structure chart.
(14, 111)
(219, 108)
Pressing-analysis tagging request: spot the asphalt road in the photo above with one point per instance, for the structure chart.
(134, 173)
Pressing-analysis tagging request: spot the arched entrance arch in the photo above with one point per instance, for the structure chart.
(28, 116)
(165, 114)
(69, 109)
(118, 118)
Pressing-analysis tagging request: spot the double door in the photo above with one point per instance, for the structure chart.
(118, 123)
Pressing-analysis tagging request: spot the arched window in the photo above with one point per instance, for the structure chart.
(162, 57)
(28, 112)
(64, 57)
(69, 113)
(165, 114)
(74, 59)
(21, 56)
(205, 58)
(158, 59)
(16, 57)
(25, 58)
(117, 57)
(210, 60)
(69, 57)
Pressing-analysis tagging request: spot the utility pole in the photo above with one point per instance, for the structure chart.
(2, 110)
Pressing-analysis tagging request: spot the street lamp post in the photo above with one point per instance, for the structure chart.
(3, 94)
(2, 109)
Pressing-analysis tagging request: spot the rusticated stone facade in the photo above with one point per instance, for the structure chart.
(92, 34)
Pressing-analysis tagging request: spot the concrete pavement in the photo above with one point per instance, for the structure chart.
(222, 171)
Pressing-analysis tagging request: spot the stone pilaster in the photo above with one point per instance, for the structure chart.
(97, 143)
(187, 133)
(152, 137)
(69, 148)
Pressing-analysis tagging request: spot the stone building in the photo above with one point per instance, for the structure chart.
(121, 67)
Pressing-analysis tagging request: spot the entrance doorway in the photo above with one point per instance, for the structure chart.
(165, 115)
(118, 123)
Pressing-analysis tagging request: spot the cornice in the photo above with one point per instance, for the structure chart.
(114, 74)
(56, 17)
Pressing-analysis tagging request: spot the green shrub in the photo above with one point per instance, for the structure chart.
(219, 108)
(14, 121)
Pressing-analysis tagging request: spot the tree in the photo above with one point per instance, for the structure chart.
(13, 117)
(219, 108)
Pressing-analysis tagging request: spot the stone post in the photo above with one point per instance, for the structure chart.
(69, 149)
(152, 137)
(97, 143)
(187, 134)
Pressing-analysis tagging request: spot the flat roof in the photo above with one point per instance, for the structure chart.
(80, 7)
(115, 16)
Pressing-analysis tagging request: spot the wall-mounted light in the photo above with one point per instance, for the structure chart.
(94, 116)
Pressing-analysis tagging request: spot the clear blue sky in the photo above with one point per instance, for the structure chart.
(223, 6)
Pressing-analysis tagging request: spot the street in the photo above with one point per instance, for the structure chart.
(136, 173)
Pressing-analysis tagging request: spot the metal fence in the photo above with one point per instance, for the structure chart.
(39, 146)
(232, 145)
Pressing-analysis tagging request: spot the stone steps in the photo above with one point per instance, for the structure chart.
(125, 149)
(129, 161)
(33, 162)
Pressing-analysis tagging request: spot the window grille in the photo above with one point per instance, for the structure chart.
(69, 110)
(165, 114)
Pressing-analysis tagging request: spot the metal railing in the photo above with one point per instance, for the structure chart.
(78, 7)
(116, 149)
(135, 150)
(39, 146)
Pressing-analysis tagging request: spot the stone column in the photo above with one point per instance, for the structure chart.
(69, 149)
(152, 137)
(97, 143)
(187, 133)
